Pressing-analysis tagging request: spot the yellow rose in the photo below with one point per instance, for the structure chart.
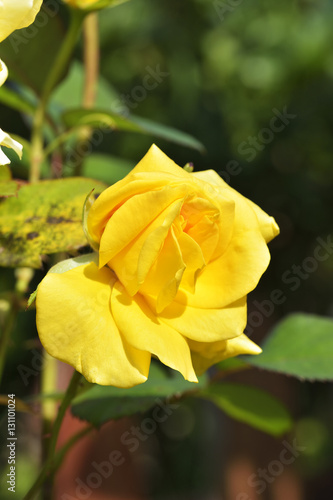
(17, 14)
(91, 5)
(178, 253)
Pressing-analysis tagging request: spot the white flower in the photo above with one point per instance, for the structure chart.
(7, 141)
(14, 14)
(3, 72)
(17, 14)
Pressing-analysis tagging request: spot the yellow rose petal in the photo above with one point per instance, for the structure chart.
(195, 208)
(268, 227)
(233, 275)
(133, 217)
(156, 160)
(115, 196)
(193, 258)
(133, 263)
(163, 280)
(143, 330)
(75, 325)
(238, 270)
(241, 345)
(217, 212)
(205, 355)
(205, 325)
(206, 233)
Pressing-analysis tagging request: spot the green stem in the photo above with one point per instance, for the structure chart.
(60, 456)
(66, 50)
(49, 382)
(91, 58)
(49, 463)
(48, 406)
(8, 328)
(60, 139)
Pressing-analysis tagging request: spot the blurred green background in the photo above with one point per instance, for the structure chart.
(224, 70)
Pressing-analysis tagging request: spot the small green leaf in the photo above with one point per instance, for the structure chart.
(102, 403)
(107, 119)
(68, 264)
(32, 298)
(189, 167)
(45, 218)
(86, 207)
(250, 405)
(79, 117)
(300, 345)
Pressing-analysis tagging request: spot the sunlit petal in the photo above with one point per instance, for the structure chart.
(75, 325)
(205, 355)
(143, 330)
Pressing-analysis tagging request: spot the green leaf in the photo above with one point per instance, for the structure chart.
(8, 187)
(55, 396)
(44, 218)
(101, 4)
(251, 406)
(232, 365)
(97, 118)
(73, 86)
(32, 298)
(29, 53)
(5, 173)
(102, 403)
(86, 208)
(300, 345)
(15, 100)
(110, 119)
(68, 264)
(20, 405)
(169, 133)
